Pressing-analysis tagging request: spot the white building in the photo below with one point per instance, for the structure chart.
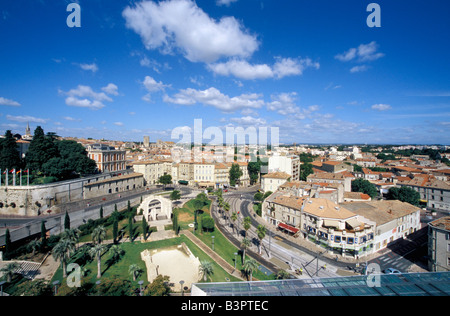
(272, 181)
(287, 164)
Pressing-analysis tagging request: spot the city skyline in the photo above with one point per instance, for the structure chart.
(313, 69)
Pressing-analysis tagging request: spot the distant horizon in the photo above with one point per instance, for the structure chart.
(317, 70)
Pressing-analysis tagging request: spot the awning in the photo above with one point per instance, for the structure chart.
(353, 223)
(288, 228)
(330, 223)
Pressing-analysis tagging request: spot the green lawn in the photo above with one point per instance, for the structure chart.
(186, 213)
(119, 270)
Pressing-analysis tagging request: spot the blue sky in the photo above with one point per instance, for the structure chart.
(314, 69)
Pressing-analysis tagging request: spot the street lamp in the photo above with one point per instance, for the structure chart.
(56, 286)
(140, 287)
(181, 284)
(235, 254)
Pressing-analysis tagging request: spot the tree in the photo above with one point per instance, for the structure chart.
(96, 251)
(364, 186)
(207, 223)
(259, 197)
(247, 224)
(101, 211)
(135, 271)
(245, 244)
(115, 229)
(159, 287)
(34, 246)
(40, 151)
(305, 170)
(175, 224)
(9, 270)
(254, 168)
(9, 155)
(98, 234)
(116, 252)
(7, 245)
(145, 227)
(62, 252)
(67, 221)
(234, 218)
(175, 195)
(72, 235)
(235, 174)
(206, 269)
(249, 267)
(261, 232)
(43, 235)
(404, 194)
(165, 179)
(130, 227)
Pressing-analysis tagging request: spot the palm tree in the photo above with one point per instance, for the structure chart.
(245, 244)
(10, 270)
(249, 266)
(34, 245)
(99, 234)
(234, 218)
(261, 232)
(96, 251)
(206, 269)
(226, 207)
(71, 234)
(247, 224)
(135, 271)
(62, 252)
(116, 252)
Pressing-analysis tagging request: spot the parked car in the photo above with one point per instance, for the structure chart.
(391, 271)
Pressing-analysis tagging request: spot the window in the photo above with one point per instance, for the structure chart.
(350, 240)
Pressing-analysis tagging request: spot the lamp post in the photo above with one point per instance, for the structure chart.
(140, 287)
(181, 284)
(56, 286)
(235, 254)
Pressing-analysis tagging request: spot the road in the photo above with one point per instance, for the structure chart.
(275, 249)
(15, 222)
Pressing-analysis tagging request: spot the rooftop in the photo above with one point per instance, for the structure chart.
(407, 284)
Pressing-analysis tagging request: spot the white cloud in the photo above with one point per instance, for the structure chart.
(118, 124)
(248, 121)
(111, 89)
(71, 119)
(84, 96)
(181, 25)
(89, 67)
(283, 67)
(381, 107)
(213, 97)
(225, 2)
(152, 85)
(359, 69)
(285, 104)
(363, 53)
(8, 102)
(26, 119)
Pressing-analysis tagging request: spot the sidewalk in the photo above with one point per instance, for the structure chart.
(218, 259)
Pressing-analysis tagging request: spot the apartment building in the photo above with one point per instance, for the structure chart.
(393, 219)
(435, 193)
(439, 244)
(153, 170)
(344, 178)
(273, 180)
(107, 157)
(286, 164)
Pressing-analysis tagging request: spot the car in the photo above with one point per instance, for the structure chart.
(391, 271)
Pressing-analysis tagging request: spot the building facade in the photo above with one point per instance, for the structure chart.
(108, 159)
(439, 245)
